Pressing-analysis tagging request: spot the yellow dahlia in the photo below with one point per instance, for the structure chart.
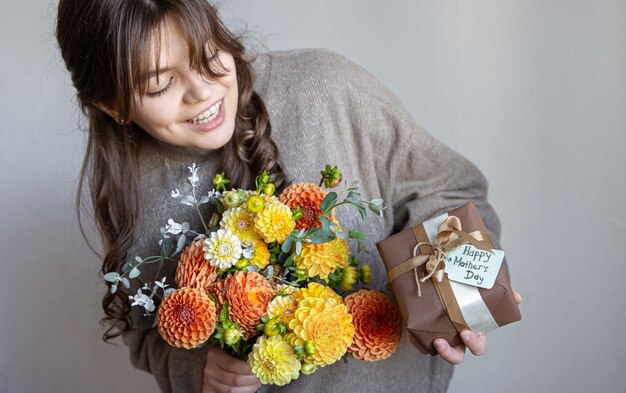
(274, 223)
(319, 260)
(316, 290)
(377, 324)
(260, 255)
(241, 223)
(328, 324)
(248, 295)
(222, 249)
(282, 308)
(309, 198)
(186, 318)
(193, 269)
(273, 361)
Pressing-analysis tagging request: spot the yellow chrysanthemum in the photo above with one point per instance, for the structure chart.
(316, 290)
(241, 223)
(222, 249)
(274, 223)
(319, 260)
(282, 308)
(273, 361)
(328, 324)
(260, 255)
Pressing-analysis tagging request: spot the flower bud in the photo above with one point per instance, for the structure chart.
(269, 189)
(350, 277)
(241, 263)
(309, 347)
(220, 182)
(365, 274)
(271, 327)
(215, 220)
(297, 213)
(255, 204)
(308, 368)
(232, 199)
(231, 336)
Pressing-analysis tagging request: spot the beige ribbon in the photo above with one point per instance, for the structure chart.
(449, 236)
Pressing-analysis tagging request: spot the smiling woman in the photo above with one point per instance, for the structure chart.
(163, 84)
(181, 106)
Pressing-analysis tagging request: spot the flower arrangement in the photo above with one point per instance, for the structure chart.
(265, 279)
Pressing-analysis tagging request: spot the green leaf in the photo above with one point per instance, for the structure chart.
(134, 273)
(219, 206)
(375, 209)
(324, 234)
(166, 247)
(361, 210)
(224, 316)
(328, 201)
(286, 247)
(289, 261)
(125, 282)
(298, 247)
(354, 234)
(112, 277)
(354, 197)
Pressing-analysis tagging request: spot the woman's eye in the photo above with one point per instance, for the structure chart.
(163, 90)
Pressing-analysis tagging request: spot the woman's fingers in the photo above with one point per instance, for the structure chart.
(517, 296)
(452, 355)
(231, 379)
(216, 387)
(455, 355)
(234, 365)
(225, 373)
(476, 344)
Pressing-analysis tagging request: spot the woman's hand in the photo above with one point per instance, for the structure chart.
(224, 373)
(476, 344)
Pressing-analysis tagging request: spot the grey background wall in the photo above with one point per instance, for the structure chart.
(534, 92)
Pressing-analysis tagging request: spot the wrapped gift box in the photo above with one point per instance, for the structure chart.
(424, 313)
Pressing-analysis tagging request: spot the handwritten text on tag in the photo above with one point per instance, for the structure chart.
(470, 265)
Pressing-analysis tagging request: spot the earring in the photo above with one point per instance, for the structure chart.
(122, 122)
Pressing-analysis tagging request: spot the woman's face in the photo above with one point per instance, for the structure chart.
(183, 107)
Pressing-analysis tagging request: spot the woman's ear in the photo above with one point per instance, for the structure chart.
(111, 111)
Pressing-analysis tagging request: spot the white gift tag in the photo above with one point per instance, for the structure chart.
(470, 265)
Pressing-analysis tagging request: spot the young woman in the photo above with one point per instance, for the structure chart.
(164, 84)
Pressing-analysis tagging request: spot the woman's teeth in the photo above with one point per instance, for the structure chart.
(207, 116)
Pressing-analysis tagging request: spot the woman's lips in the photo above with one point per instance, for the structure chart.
(211, 124)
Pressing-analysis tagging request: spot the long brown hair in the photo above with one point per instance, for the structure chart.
(106, 46)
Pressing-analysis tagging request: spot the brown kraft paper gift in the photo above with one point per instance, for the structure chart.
(425, 316)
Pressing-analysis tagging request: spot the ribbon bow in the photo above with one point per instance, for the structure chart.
(449, 236)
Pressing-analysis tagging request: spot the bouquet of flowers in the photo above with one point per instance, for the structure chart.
(266, 277)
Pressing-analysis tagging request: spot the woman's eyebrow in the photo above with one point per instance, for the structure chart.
(153, 73)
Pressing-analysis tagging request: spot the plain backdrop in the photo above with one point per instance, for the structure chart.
(534, 92)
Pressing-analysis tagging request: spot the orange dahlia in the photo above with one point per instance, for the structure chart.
(309, 198)
(193, 270)
(186, 318)
(218, 289)
(319, 260)
(377, 325)
(248, 294)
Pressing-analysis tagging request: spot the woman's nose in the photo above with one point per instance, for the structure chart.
(199, 88)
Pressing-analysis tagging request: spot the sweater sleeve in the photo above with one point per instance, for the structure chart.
(419, 176)
(430, 178)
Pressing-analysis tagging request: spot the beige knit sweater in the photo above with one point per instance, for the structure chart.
(324, 109)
